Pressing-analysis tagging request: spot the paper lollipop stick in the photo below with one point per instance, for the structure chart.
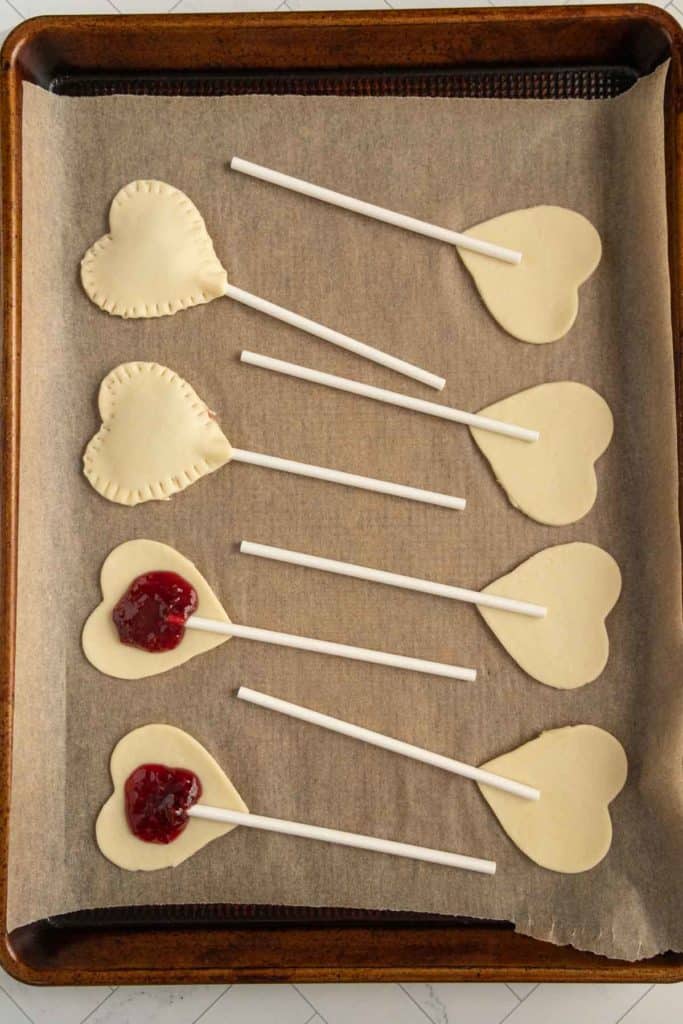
(335, 337)
(151, 595)
(158, 437)
(305, 643)
(335, 476)
(399, 220)
(377, 739)
(332, 835)
(552, 480)
(160, 812)
(159, 258)
(443, 412)
(527, 265)
(394, 579)
(558, 637)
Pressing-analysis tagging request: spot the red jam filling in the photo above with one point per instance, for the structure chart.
(158, 799)
(153, 611)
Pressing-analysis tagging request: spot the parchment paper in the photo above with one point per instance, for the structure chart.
(454, 162)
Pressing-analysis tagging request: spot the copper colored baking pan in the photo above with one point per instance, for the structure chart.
(588, 52)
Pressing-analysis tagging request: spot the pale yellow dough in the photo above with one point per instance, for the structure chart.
(538, 299)
(100, 640)
(579, 584)
(579, 770)
(157, 436)
(162, 744)
(552, 480)
(157, 258)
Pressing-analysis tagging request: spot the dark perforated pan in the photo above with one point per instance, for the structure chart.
(548, 53)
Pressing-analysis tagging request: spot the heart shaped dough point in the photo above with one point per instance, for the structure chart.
(579, 770)
(157, 258)
(100, 639)
(536, 300)
(162, 744)
(552, 480)
(579, 584)
(157, 436)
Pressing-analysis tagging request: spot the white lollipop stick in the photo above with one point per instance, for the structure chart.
(392, 579)
(335, 476)
(305, 643)
(378, 739)
(327, 334)
(444, 412)
(399, 220)
(332, 835)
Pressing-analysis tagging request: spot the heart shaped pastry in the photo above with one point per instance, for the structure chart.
(157, 258)
(157, 436)
(552, 480)
(579, 584)
(536, 300)
(579, 770)
(162, 745)
(100, 639)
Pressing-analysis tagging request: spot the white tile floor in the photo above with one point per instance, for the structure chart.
(345, 1004)
(323, 1004)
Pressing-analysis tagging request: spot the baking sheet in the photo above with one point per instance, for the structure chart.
(454, 162)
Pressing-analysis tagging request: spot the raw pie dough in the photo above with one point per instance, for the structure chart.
(579, 584)
(100, 640)
(552, 480)
(538, 299)
(579, 770)
(157, 436)
(162, 744)
(157, 258)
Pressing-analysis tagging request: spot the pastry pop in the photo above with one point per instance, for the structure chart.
(549, 613)
(552, 479)
(551, 795)
(183, 442)
(171, 798)
(527, 265)
(158, 258)
(147, 622)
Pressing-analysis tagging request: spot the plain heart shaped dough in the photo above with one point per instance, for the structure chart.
(536, 300)
(100, 639)
(579, 771)
(162, 744)
(157, 258)
(579, 584)
(157, 436)
(552, 480)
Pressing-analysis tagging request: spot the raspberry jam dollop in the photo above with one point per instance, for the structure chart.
(158, 799)
(153, 611)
